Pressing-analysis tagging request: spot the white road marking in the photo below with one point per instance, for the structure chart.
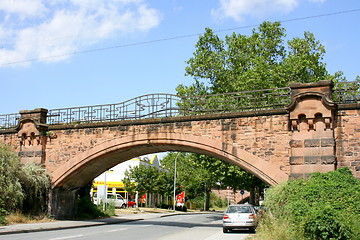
(116, 230)
(68, 237)
(146, 225)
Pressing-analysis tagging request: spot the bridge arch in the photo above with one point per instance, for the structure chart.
(85, 166)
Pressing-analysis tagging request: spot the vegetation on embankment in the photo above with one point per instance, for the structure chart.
(23, 188)
(325, 206)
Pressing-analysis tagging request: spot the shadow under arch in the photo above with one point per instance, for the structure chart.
(82, 168)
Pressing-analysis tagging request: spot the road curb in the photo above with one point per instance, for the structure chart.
(4, 231)
(61, 225)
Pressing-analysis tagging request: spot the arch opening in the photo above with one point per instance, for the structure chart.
(83, 168)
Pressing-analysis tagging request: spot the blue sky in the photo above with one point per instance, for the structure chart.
(133, 62)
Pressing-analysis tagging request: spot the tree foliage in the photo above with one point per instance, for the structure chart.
(325, 206)
(259, 61)
(147, 179)
(197, 174)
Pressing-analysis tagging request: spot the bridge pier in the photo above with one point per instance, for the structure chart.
(63, 203)
(312, 123)
(31, 131)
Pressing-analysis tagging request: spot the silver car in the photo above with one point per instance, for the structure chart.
(239, 216)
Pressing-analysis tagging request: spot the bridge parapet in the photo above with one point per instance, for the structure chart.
(169, 105)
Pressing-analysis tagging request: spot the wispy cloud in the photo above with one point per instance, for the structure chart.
(39, 29)
(239, 9)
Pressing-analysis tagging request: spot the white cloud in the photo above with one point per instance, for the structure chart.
(23, 8)
(63, 27)
(239, 9)
(317, 1)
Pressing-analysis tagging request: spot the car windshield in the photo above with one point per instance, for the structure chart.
(238, 209)
(109, 196)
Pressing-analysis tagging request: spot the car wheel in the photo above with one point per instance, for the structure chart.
(225, 230)
(134, 205)
(123, 206)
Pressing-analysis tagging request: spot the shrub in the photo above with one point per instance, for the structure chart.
(86, 209)
(110, 209)
(218, 201)
(325, 206)
(271, 228)
(35, 183)
(181, 208)
(11, 193)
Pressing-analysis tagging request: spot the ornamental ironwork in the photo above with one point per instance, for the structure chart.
(346, 92)
(147, 106)
(255, 100)
(9, 120)
(169, 105)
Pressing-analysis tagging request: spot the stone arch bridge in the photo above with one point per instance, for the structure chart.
(276, 134)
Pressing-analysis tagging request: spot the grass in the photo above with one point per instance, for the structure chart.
(17, 217)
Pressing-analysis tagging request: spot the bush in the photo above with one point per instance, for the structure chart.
(35, 183)
(197, 203)
(325, 206)
(181, 208)
(164, 206)
(10, 187)
(22, 187)
(217, 201)
(110, 209)
(88, 210)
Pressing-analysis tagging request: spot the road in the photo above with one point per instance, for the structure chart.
(188, 226)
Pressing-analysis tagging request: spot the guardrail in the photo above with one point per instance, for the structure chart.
(147, 106)
(169, 105)
(346, 92)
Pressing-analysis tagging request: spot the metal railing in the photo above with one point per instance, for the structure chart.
(264, 99)
(347, 92)
(9, 120)
(147, 106)
(169, 105)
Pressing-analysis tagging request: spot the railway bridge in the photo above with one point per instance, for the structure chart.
(275, 134)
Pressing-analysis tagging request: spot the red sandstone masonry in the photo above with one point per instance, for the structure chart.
(271, 144)
(347, 137)
(233, 132)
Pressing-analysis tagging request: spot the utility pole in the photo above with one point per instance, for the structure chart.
(205, 197)
(105, 192)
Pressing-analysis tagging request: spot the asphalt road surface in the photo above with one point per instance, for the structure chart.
(202, 226)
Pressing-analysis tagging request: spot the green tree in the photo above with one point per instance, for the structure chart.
(147, 179)
(198, 174)
(259, 61)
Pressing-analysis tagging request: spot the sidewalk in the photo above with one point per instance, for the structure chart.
(56, 225)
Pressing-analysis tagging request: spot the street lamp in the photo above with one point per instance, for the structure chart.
(175, 181)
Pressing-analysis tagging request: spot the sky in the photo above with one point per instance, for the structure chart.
(71, 53)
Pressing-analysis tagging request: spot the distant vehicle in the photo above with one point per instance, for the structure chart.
(117, 199)
(239, 216)
(131, 203)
